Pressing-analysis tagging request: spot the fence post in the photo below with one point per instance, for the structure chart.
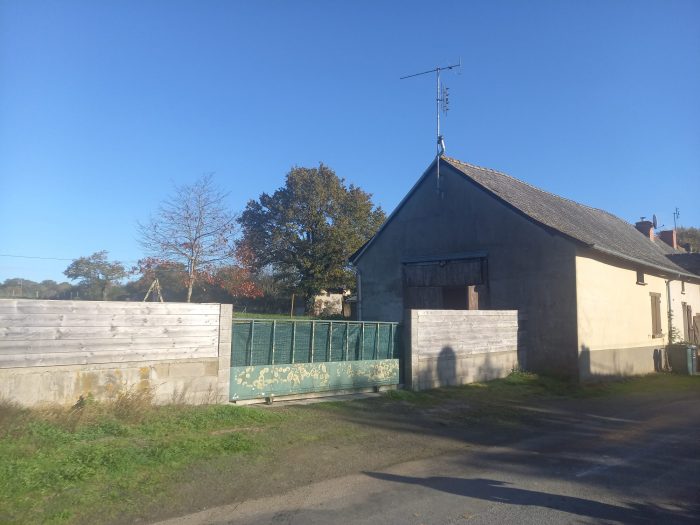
(376, 342)
(390, 353)
(250, 346)
(330, 341)
(294, 338)
(347, 327)
(362, 343)
(313, 333)
(272, 358)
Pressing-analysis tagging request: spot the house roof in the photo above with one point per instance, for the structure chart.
(689, 261)
(595, 228)
(667, 249)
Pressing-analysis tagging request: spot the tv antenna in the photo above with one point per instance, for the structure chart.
(676, 214)
(442, 103)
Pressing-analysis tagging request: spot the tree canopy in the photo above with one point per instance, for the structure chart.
(306, 230)
(689, 236)
(96, 274)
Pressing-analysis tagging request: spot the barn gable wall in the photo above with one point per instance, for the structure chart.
(529, 268)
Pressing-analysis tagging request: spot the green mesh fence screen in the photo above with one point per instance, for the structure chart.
(268, 342)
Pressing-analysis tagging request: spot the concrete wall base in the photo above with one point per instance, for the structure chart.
(619, 362)
(191, 381)
(434, 373)
(177, 371)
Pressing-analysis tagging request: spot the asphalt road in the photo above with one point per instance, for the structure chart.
(589, 461)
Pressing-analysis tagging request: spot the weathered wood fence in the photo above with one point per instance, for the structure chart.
(455, 347)
(55, 351)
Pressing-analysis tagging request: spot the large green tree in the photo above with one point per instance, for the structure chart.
(96, 274)
(306, 230)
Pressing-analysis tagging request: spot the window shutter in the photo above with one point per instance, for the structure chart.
(655, 314)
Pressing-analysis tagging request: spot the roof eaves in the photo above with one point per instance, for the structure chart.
(668, 270)
(671, 269)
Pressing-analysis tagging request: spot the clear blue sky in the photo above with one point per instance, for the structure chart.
(104, 105)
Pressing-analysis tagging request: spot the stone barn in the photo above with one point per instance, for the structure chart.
(598, 294)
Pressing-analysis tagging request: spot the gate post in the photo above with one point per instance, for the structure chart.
(407, 354)
(224, 375)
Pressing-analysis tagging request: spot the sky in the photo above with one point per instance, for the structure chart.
(104, 106)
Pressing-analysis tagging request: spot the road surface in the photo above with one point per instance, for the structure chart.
(590, 461)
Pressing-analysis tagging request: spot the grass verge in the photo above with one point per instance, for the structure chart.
(59, 464)
(98, 462)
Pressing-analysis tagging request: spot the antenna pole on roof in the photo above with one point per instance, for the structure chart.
(676, 214)
(441, 102)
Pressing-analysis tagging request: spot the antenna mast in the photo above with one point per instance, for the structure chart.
(441, 102)
(676, 214)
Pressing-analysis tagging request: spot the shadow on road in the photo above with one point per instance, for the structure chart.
(502, 492)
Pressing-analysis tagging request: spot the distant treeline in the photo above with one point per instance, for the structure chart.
(273, 300)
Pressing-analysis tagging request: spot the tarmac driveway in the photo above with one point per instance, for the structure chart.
(635, 460)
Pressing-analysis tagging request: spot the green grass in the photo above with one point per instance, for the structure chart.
(524, 385)
(516, 385)
(497, 401)
(58, 465)
(99, 461)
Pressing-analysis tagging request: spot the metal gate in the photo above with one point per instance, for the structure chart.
(278, 357)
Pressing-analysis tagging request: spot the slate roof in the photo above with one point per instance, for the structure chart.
(595, 228)
(668, 250)
(689, 261)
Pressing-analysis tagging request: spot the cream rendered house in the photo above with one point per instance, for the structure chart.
(597, 295)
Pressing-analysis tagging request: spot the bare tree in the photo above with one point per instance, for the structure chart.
(192, 227)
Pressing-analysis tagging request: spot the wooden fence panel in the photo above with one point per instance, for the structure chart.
(47, 333)
(454, 347)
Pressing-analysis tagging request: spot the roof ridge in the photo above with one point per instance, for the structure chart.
(483, 168)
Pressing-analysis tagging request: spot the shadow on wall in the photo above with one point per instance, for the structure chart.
(613, 367)
(487, 371)
(444, 371)
(434, 373)
(447, 367)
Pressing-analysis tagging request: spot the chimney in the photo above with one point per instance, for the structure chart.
(669, 237)
(646, 228)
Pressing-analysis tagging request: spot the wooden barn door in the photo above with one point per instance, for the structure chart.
(459, 284)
